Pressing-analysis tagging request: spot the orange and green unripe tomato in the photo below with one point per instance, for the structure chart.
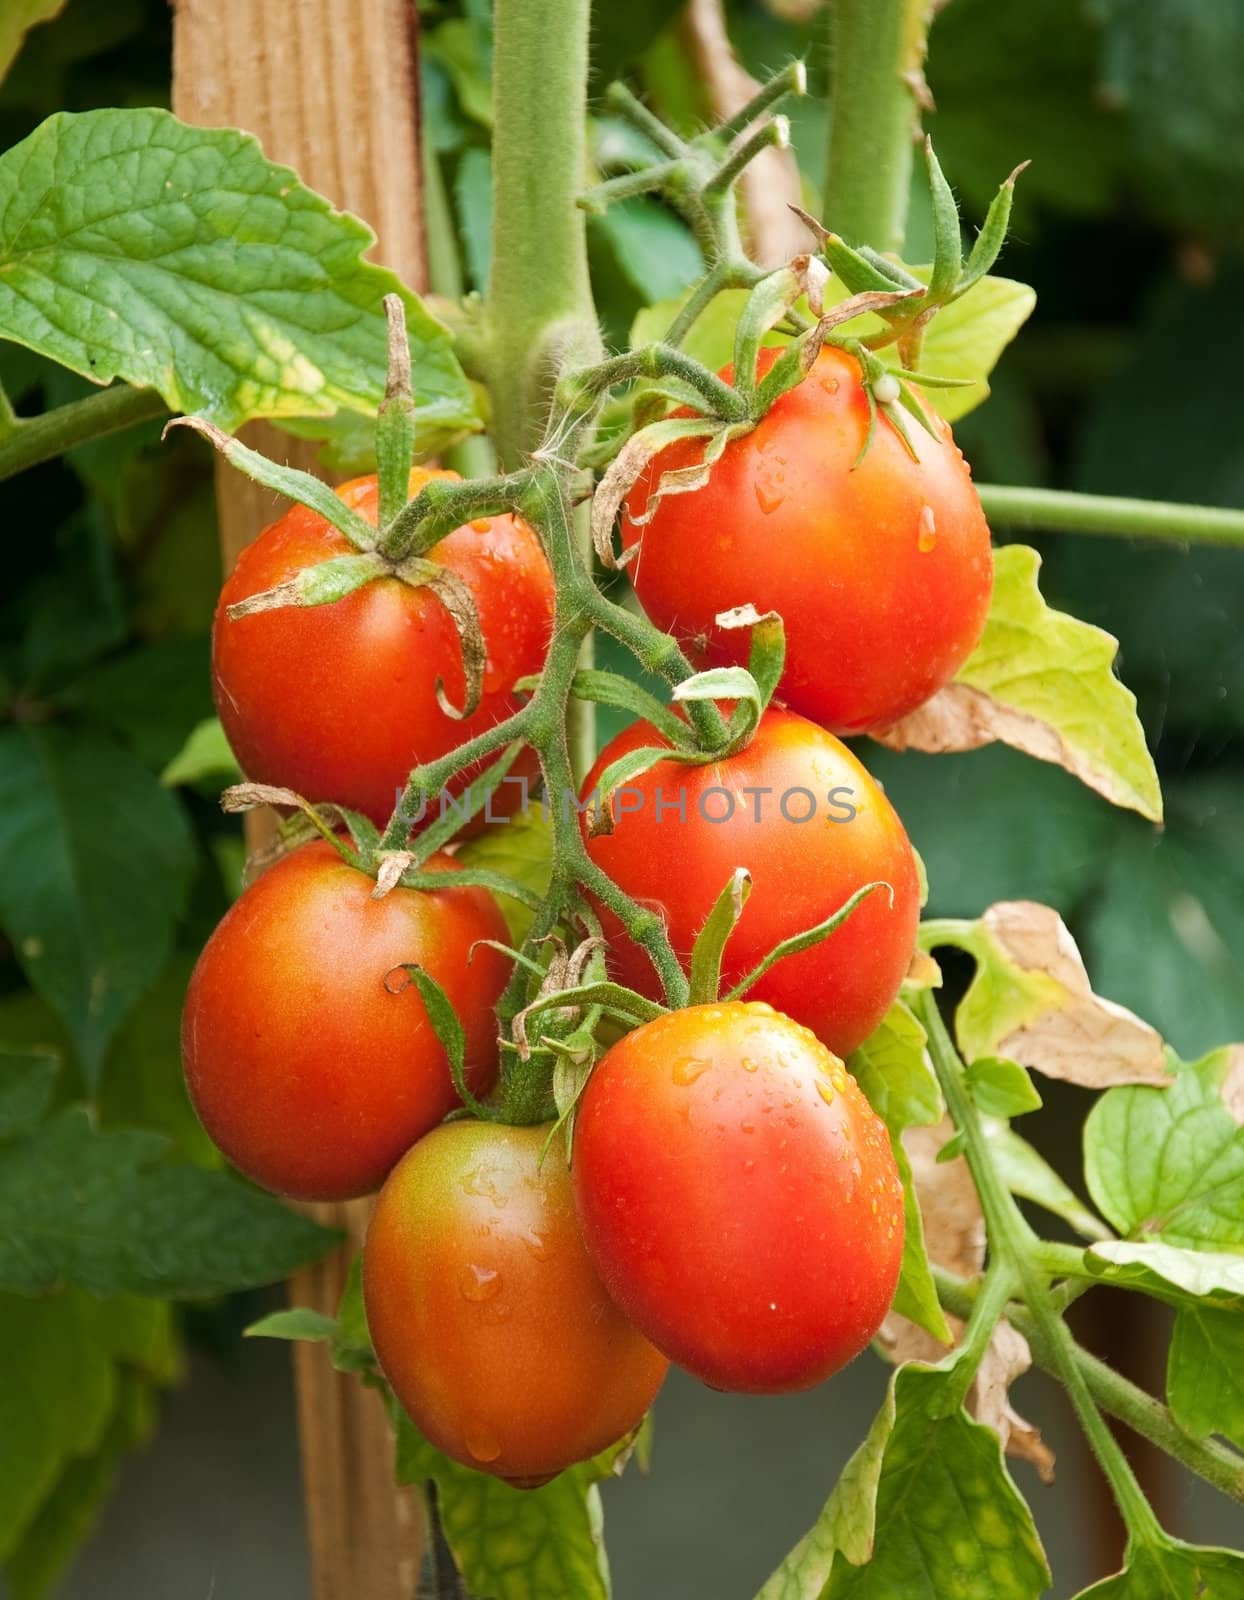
(486, 1313)
(739, 1196)
(338, 701)
(309, 1055)
(811, 825)
(880, 568)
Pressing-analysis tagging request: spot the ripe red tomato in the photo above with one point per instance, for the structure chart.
(881, 572)
(812, 826)
(487, 1316)
(739, 1196)
(338, 701)
(310, 1071)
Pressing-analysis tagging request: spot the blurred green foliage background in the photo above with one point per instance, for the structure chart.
(1129, 223)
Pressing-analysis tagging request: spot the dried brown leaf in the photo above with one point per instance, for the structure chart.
(954, 1235)
(1076, 1035)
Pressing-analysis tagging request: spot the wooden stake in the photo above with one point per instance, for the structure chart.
(330, 88)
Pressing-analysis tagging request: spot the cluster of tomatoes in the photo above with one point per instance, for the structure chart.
(730, 1201)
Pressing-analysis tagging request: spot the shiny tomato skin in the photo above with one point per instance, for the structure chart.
(338, 701)
(487, 1316)
(310, 1072)
(801, 871)
(881, 571)
(739, 1197)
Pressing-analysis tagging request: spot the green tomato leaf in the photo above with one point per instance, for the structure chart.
(95, 864)
(893, 1069)
(1169, 1163)
(711, 339)
(1030, 1176)
(1044, 682)
(473, 198)
(654, 249)
(916, 1295)
(1001, 1088)
(1205, 1372)
(520, 848)
(1030, 1002)
(346, 1334)
(1174, 1571)
(142, 1084)
(515, 1544)
(70, 1512)
(846, 1524)
(108, 1213)
(26, 1080)
(63, 1356)
(1170, 1272)
(963, 341)
(149, 697)
(297, 1323)
(180, 259)
(966, 338)
(926, 1506)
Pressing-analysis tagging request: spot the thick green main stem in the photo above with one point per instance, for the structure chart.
(876, 52)
(541, 315)
(540, 309)
(1114, 516)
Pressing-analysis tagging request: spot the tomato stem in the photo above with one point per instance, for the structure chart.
(1013, 1244)
(1112, 516)
(29, 440)
(1215, 1463)
(877, 91)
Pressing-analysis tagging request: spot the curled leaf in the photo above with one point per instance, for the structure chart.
(1031, 1001)
(1044, 683)
(628, 467)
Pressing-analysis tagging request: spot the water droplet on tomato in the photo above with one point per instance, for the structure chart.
(749, 1065)
(770, 483)
(926, 530)
(479, 1283)
(830, 385)
(481, 1441)
(747, 1127)
(481, 1183)
(685, 1072)
(481, 525)
(826, 1091)
(536, 1243)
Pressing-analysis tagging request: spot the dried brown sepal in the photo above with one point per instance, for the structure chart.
(954, 1236)
(459, 603)
(389, 870)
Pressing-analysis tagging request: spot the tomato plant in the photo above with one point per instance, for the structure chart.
(691, 1074)
(487, 1315)
(739, 1197)
(309, 1054)
(806, 819)
(340, 702)
(877, 559)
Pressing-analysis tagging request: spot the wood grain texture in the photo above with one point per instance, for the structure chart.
(330, 88)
